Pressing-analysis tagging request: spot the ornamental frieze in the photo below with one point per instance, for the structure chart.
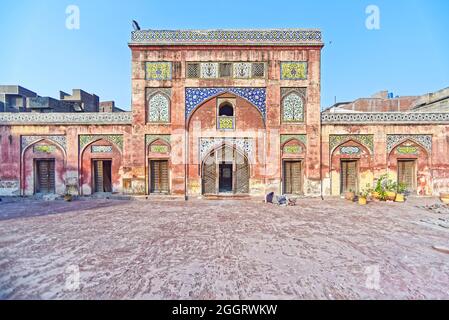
(366, 140)
(26, 141)
(300, 137)
(384, 118)
(424, 140)
(226, 37)
(150, 138)
(115, 139)
(244, 145)
(97, 118)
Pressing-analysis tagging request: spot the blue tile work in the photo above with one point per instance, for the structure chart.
(197, 96)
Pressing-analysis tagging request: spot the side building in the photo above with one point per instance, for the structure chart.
(406, 138)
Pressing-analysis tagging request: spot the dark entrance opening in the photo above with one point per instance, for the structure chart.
(159, 177)
(102, 176)
(349, 176)
(225, 181)
(45, 176)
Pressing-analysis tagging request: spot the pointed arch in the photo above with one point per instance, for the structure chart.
(211, 170)
(197, 97)
(352, 141)
(408, 140)
(29, 159)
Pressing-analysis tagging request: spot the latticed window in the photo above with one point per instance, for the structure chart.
(159, 108)
(258, 70)
(293, 108)
(193, 70)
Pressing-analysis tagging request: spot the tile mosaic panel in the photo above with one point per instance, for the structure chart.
(365, 140)
(197, 96)
(158, 71)
(293, 70)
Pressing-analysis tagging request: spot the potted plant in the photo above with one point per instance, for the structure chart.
(401, 190)
(363, 196)
(390, 188)
(444, 197)
(350, 195)
(379, 191)
(68, 197)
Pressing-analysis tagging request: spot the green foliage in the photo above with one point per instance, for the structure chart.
(401, 188)
(366, 191)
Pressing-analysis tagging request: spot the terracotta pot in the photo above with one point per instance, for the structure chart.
(362, 201)
(350, 196)
(400, 198)
(444, 197)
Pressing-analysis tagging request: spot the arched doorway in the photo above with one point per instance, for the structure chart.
(225, 171)
(408, 164)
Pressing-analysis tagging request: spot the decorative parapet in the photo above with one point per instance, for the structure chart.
(303, 37)
(25, 118)
(385, 117)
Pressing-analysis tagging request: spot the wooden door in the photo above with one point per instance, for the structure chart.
(349, 176)
(159, 176)
(45, 176)
(293, 177)
(210, 175)
(407, 174)
(242, 174)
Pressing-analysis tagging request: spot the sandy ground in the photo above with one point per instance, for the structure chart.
(328, 249)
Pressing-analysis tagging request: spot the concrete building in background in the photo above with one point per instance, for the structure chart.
(385, 101)
(19, 99)
(14, 98)
(227, 114)
(81, 100)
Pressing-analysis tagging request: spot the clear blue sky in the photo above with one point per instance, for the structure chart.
(408, 55)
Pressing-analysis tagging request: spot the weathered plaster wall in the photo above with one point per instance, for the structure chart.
(433, 172)
(11, 164)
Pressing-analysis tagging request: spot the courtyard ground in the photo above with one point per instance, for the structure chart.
(327, 249)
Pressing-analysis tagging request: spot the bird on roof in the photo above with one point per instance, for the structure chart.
(136, 26)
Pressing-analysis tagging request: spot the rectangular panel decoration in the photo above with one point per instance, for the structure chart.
(101, 149)
(293, 70)
(158, 71)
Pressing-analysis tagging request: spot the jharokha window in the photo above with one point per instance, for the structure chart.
(158, 106)
(226, 117)
(293, 105)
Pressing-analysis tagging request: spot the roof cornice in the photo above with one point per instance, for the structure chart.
(271, 37)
